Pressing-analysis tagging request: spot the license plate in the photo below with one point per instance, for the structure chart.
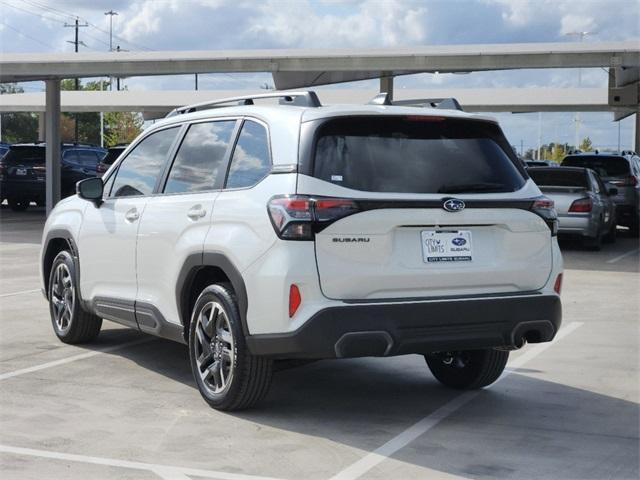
(21, 171)
(446, 246)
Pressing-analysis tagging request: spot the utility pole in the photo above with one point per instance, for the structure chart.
(76, 43)
(196, 81)
(539, 134)
(111, 13)
(118, 49)
(580, 35)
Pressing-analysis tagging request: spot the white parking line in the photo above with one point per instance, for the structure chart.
(166, 472)
(19, 293)
(400, 441)
(81, 356)
(624, 255)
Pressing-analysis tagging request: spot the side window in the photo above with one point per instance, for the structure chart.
(70, 156)
(251, 160)
(138, 173)
(106, 189)
(87, 158)
(199, 164)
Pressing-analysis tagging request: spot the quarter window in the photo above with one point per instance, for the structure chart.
(199, 164)
(251, 160)
(139, 172)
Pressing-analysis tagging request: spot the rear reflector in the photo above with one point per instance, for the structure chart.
(583, 205)
(558, 285)
(294, 299)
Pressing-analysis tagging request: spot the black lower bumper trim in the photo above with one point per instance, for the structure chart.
(418, 327)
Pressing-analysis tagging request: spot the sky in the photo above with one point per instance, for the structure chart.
(144, 25)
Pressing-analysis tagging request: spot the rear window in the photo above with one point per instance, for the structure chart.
(415, 154)
(605, 165)
(25, 155)
(559, 178)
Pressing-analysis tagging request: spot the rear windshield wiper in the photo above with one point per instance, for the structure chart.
(473, 187)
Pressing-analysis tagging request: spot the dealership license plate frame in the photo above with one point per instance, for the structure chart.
(438, 246)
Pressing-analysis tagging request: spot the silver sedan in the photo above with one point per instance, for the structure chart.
(584, 204)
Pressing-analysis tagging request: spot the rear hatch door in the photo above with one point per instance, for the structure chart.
(25, 163)
(435, 212)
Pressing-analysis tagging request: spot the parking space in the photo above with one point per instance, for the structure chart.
(126, 406)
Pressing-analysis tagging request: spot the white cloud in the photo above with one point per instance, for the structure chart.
(572, 23)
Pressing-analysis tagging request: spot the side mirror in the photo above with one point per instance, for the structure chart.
(612, 191)
(91, 189)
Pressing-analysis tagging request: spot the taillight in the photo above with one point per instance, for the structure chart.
(630, 181)
(557, 286)
(545, 208)
(299, 217)
(295, 299)
(583, 205)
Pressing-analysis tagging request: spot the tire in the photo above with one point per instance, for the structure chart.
(468, 369)
(228, 377)
(634, 229)
(71, 323)
(18, 204)
(612, 234)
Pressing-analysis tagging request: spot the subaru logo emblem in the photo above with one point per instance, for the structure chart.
(453, 205)
(458, 241)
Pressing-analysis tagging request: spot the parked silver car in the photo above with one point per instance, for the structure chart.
(621, 170)
(585, 206)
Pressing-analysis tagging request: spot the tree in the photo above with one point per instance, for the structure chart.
(586, 145)
(17, 126)
(121, 127)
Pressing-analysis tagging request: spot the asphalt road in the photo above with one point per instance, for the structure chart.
(127, 407)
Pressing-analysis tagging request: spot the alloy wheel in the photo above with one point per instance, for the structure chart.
(214, 348)
(63, 298)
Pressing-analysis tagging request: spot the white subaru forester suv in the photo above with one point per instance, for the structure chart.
(258, 232)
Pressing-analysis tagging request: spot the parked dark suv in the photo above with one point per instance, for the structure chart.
(112, 155)
(22, 171)
(622, 170)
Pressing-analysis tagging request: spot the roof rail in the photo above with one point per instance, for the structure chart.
(300, 99)
(441, 103)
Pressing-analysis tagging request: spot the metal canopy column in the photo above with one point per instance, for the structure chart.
(637, 142)
(52, 126)
(386, 84)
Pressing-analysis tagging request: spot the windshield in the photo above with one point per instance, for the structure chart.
(415, 154)
(25, 155)
(605, 165)
(559, 177)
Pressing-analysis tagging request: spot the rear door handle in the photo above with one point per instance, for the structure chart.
(196, 212)
(132, 215)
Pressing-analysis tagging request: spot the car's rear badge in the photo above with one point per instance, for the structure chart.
(453, 205)
(351, 239)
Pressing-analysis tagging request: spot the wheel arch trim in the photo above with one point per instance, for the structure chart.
(60, 234)
(192, 265)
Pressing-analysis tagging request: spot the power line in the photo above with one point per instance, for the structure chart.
(55, 11)
(67, 15)
(25, 35)
(32, 13)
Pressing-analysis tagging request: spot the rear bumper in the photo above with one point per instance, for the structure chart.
(577, 224)
(31, 189)
(418, 327)
(627, 214)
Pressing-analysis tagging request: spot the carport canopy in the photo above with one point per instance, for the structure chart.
(310, 67)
